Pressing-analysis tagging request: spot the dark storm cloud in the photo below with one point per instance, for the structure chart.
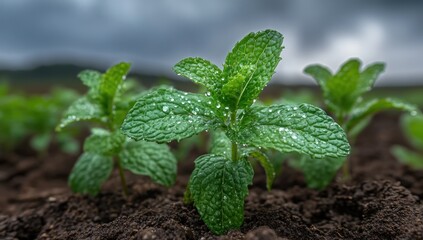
(156, 34)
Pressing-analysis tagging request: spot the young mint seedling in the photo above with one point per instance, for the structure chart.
(34, 117)
(219, 183)
(106, 104)
(343, 98)
(413, 129)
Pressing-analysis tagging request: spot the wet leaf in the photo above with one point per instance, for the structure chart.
(218, 187)
(150, 159)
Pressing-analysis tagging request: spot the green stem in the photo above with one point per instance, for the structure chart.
(346, 171)
(234, 145)
(122, 178)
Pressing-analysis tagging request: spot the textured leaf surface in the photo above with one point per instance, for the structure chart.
(218, 187)
(89, 173)
(220, 144)
(103, 142)
(413, 129)
(202, 72)
(249, 67)
(267, 166)
(167, 114)
(287, 128)
(82, 109)
(113, 78)
(90, 78)
(408, 157)
(150, 159)
(320, 172)
(369, 109)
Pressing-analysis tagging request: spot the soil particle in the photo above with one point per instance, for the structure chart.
(382, 201)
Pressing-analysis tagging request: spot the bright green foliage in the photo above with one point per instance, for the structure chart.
(150, 159)
(82, 109)
(299, 128)
(266, 164)
(202, 72)
(363, 112)
(104, 142)
(320, 175)
(343, 98)
(249, 67)
(220, 144)
(168, 114)
(239, 129)
(218, 187)
(113, 78)
(35, 116)
(344, 89)
(413, 129)
(107, 102)
(90, 172)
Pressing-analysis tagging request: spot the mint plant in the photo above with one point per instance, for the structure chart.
(343, 97)
(220, 180)
(105, 106)
(412, 127)
(34, 117)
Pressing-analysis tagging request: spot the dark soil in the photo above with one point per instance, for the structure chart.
(382, 201)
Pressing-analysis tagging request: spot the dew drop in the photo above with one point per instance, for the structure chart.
(165, 108)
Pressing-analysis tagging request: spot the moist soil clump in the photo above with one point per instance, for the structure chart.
(382, 200)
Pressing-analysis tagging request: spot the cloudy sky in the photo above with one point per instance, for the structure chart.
(155, 34)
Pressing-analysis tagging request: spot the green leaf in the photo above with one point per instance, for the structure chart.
(367, 110)
(114, 76)
(89, 173)
(249, 67)
(41, 142)
(320, 73)
(344, 89)
(68, 143)
(267, 166)
(287, 128)
(103, 142)
(220, 144)
(413, 129)
(341, 90)
(368, 77)
(319, 173)
(82, 109)
(167, 114)
(202, 72)
(218, 187)
(150, 159)
(90, 78)
(408, 157)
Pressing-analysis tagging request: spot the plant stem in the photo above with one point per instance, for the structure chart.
(234, 145)
(122, 178)
(346, 171)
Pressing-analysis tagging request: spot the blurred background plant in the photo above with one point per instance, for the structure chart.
(34, 117)
(412, 127)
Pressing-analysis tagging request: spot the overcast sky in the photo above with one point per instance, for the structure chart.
(155, 34)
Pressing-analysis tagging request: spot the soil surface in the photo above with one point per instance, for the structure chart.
(381, 201)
